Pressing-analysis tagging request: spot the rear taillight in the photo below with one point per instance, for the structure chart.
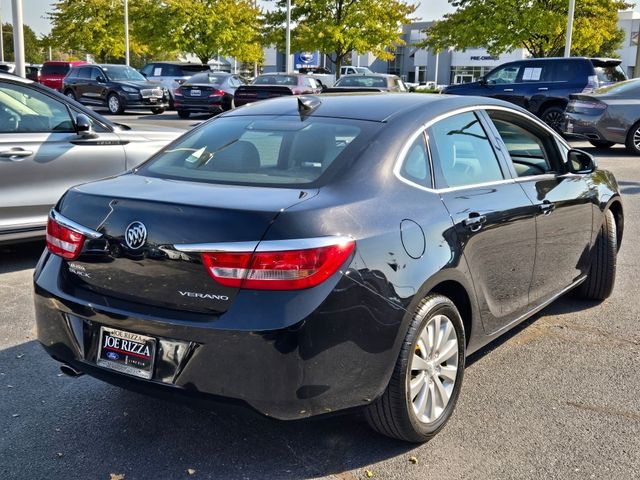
(592, 84)
(177, 92)
(277, 270)
(63, 241)
(586, 107)
(216, 93)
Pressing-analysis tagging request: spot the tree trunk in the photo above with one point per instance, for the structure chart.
(338, 64)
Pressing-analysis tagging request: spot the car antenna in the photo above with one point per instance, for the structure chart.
(307, 104)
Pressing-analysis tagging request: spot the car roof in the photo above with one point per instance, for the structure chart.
(14, 78)
(378, 107)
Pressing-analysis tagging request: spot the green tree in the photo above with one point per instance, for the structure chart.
(537, 25)
(341, 27)
(32, 49)
(205, 28)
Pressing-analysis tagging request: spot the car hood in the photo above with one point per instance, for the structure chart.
(150, 132)
(460, 87)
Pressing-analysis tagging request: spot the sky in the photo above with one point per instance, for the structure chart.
(34, 12)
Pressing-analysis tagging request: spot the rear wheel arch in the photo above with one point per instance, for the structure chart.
(458, 294)
(616, 208)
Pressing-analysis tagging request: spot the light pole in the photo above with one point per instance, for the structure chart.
(567, 45)
(18, 37)
(1, 39)
(288, 39)
(126, 32)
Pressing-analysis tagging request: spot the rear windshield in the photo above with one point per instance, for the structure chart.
(626, 87)
(191, 69)
(55, 69)
(208, 78)
(263, 150)
(610, 74)
(276, 80)
(361, 81)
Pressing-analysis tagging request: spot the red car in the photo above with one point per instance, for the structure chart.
(54, 71)
(270, 85)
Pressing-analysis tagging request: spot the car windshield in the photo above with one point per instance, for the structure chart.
(361, 81)
(610, 74)
(208, 78)
(122, 72)
(621, 88)
(276, 80)
(263, 150)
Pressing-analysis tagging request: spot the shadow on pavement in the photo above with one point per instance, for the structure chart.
(20, 256)
(54, 426)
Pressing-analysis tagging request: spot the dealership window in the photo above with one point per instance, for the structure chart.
(468, 74)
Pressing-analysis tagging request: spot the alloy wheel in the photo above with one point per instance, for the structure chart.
(433, 369)
(114, 104)
(554, 119)
(636, 138)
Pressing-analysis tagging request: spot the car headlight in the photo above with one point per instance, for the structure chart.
(130, 90)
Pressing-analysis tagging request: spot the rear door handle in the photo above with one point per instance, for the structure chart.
(475, 222)
(508, 90)
(543, 89)
(547, 207)
(15, 154)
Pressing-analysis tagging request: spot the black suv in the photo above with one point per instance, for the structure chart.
(117, 87)
(543, 85)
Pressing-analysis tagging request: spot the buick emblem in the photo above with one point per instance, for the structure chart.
(135, 235)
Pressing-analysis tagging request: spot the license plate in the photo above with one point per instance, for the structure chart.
(153, 100)
(126, 352)
(569, 127)
(196, 93)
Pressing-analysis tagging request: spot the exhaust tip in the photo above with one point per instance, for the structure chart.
(70, 371)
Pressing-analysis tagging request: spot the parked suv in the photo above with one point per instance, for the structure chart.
(172, 74)
(117, 87)
(53, 72)
(543, 85)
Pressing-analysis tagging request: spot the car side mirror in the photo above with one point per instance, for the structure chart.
(101, 79)
(483, 81)
(580, 162)
(83, 126)
(143, 74)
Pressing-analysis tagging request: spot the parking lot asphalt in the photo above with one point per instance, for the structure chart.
(555, 398)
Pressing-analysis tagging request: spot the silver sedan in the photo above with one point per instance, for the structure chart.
(49, 143)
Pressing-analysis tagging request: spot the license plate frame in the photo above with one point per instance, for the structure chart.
(127, 352)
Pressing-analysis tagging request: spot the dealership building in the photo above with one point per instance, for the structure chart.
(453, 66)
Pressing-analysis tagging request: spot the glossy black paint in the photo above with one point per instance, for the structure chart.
(293, 354)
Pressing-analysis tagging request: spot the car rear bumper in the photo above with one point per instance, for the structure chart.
(339, 356)
(592, 128)
(195, 106)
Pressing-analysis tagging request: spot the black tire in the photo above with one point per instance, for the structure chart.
(554, 117)
(602, 273)
(114, 104)
(183, 114)
(69, 93)
(601, 143)
(634, 132)
(392, 414)
(157, 111)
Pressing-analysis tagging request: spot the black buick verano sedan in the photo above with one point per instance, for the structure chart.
(312, 255)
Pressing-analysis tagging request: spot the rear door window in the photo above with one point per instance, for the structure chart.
(55, 69)
(463, 152)
(276, 151)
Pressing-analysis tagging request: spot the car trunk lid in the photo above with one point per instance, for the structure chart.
(136, 257)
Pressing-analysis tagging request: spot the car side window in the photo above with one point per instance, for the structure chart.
(463, 151)
(84, 73)
(147, 70)
(415, 166)
(506, 74)
(25, 110)
(95, 73)
(530, 148)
